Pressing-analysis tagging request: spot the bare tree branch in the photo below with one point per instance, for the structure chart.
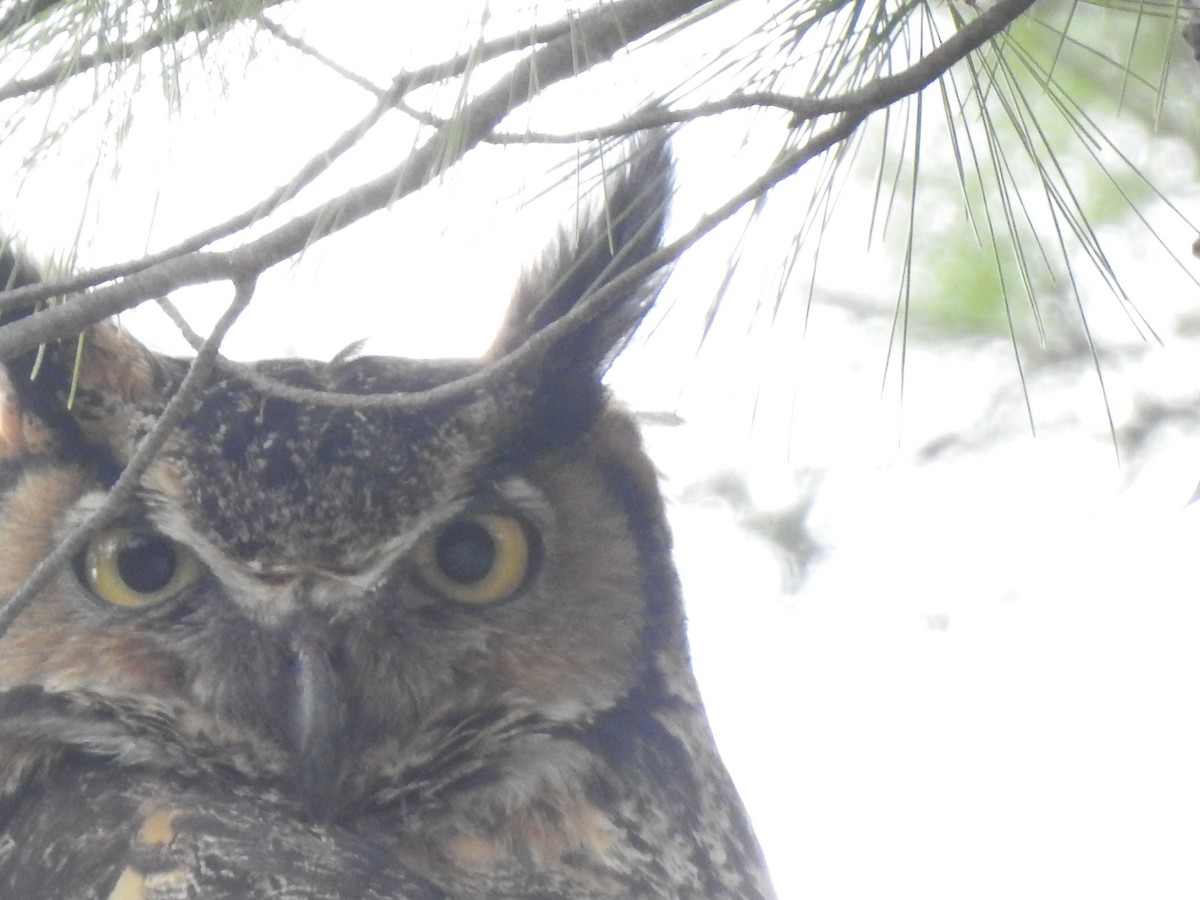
(176, 410)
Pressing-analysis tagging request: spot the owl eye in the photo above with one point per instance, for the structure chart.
(132, 567)
(476, 559)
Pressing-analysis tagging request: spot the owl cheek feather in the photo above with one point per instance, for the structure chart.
(28, 518)
(48, 647)
(49, 644)
(562, 686)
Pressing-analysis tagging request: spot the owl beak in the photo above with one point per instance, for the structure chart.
(318, 721)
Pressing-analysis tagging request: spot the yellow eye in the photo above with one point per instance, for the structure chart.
(133, 567)
(476, 559)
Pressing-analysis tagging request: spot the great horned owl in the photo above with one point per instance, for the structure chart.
(373, 649)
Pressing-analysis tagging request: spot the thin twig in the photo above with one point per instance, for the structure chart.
(406, 81)
(288, 39)
(177, 409)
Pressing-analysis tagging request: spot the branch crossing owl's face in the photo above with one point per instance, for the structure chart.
(442, 640)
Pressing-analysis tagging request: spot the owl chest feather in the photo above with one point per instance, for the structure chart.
(585, 817)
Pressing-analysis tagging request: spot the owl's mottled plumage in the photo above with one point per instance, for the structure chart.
(361, 652)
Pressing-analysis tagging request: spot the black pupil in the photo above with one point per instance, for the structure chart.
(147, 563)
(465, 552)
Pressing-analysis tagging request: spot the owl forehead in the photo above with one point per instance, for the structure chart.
(278, 482)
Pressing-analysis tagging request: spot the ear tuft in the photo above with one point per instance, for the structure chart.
(15, 270)
(625, 231)
(20, 434)
(102, 370)
(561, 386)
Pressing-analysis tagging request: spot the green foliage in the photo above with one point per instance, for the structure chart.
(1041, 144)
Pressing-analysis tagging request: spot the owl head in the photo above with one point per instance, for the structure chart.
(436, 595)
